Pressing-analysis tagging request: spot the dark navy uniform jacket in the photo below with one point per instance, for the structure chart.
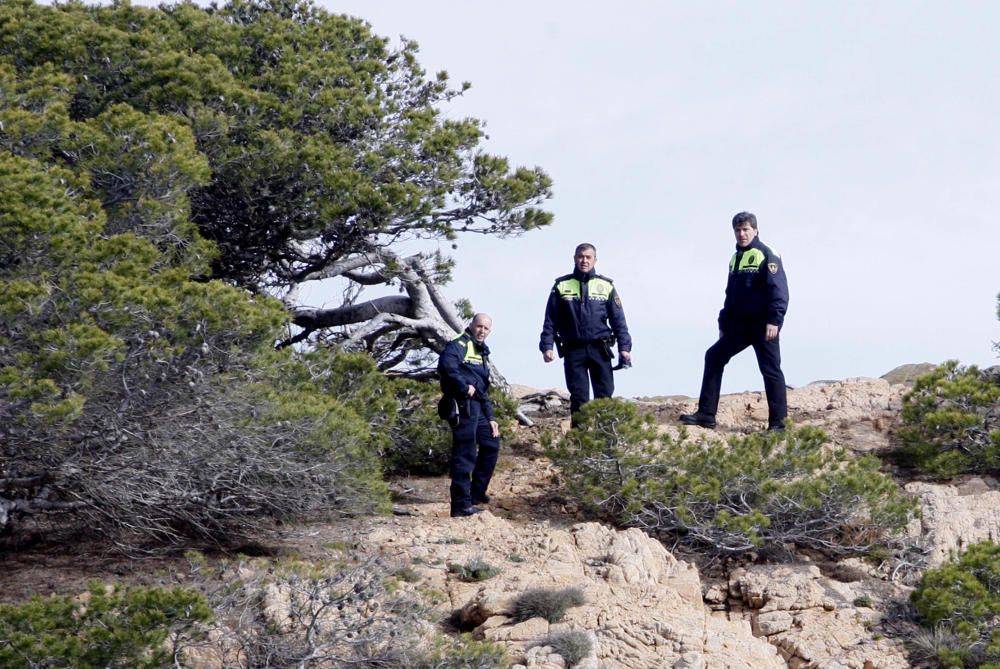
(463, 363)
(757, 290)
(584, 308)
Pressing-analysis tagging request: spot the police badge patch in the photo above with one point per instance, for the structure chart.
(772, 267)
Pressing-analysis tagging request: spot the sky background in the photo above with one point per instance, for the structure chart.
(861, 134)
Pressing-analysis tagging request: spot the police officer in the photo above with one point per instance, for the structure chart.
(583, 319)
(463, 369)
(752, 315)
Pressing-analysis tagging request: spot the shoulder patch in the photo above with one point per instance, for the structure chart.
(772, 267)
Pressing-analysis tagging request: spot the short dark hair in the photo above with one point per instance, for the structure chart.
(584, 247)
(744, 217)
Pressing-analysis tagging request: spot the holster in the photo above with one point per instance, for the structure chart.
(606, 351)
(449, 410)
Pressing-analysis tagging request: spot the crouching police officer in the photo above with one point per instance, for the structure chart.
(752, 315)
(583, 319)
(465, 379)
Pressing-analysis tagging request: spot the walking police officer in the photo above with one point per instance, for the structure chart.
(752, 315)
(583, 319)
(463, 369)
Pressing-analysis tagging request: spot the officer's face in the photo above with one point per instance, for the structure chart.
(585, 260)
(480, 329)
(744, 234)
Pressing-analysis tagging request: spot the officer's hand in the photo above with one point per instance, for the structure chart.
(471, 391)
(549, 355)
(625, 356)
(495, 428)
(771, 332)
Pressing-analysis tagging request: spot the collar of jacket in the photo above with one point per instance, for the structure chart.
(755, 243)
(584, 276)
(481, 349)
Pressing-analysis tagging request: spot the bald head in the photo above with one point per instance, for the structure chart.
(480, 327)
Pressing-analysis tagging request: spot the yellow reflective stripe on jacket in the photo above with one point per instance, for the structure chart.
(597, 289)
(750, 262)
(471, 355)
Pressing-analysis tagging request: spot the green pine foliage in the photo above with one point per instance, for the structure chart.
(145, 399)
(465, 653)
(960, 603)
(767, 489)
(166, 169)
(399, 416)
(951, 422)
(137, 628)
(294, 136)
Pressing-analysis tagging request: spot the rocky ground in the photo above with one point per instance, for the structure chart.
(645, 606)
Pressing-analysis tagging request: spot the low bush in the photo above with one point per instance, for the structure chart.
(475, 569)
(466, 653)
(572, 646)
(140, 628)
(548, 604)
(405, 431)
(951, 422)
(958, 604)
(776, 489)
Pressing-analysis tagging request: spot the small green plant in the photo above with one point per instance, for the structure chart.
(572, 646)
(864, 601)
(454, 540)
(475, 569)
(516, 557)
(467, 653)
(958, 604)
(951, 422)
(407, 574)
(340, 545)
(938, 648)
(548, 604)
(433, 596)
(111, 627)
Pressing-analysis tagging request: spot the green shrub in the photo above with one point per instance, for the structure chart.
(475, 569)
(951, 422)
(572, 646)
(548, 604)
(403, 427)
(137, 628)
(767, 488)
(467, 653)
(938, 648)
(960, 602)
(146, 398)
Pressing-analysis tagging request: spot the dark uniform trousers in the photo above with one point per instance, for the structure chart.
(734, 340)
(472, 468)
(584, 365)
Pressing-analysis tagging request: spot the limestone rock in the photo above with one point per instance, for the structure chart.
(813, 620)
(956, 515)
(643, 606)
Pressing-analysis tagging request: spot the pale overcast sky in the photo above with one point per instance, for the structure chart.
(860, 134)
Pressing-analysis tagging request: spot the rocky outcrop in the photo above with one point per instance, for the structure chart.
(814, 621)
(644, 608)
(955, 515)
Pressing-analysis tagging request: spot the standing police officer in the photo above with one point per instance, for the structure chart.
(583, 319)
(463, 369)
(752, 315)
